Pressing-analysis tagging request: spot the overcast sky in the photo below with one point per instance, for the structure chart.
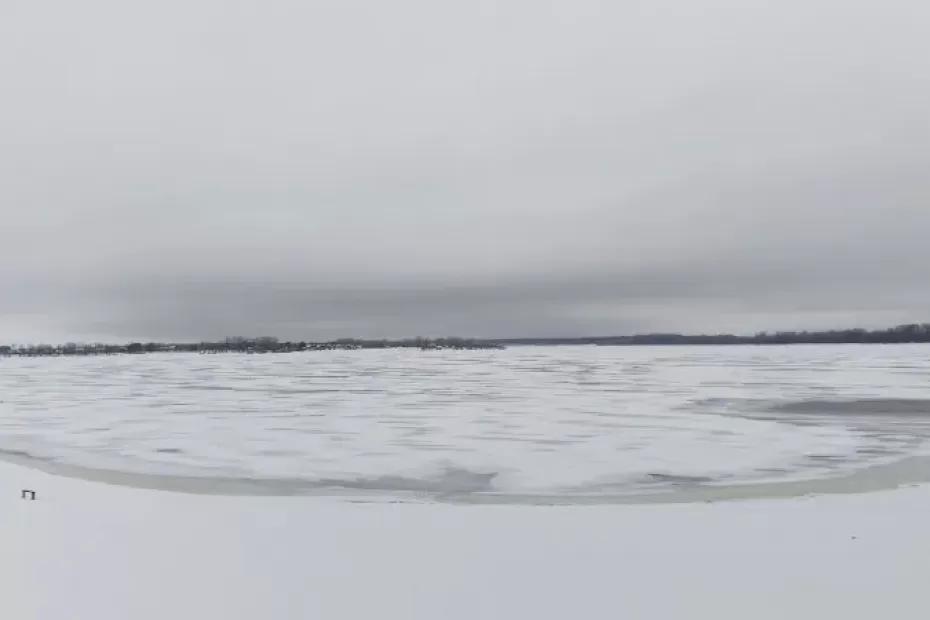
(188, 169)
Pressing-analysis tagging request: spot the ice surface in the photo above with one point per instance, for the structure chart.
(102, 552)
(526, 420)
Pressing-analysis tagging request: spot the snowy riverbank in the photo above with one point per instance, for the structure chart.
(97, 551)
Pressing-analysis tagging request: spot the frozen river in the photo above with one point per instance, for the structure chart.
(560, 424)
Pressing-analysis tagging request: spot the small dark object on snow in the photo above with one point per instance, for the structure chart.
(27, 494)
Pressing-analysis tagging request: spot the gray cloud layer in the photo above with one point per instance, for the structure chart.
(317, 169)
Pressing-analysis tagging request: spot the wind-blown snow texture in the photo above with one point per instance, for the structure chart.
(563, 422)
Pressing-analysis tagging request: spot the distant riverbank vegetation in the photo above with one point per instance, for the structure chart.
(912, 333)
(243, 345)
(915, 332)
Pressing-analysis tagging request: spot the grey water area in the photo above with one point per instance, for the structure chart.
(898, 431)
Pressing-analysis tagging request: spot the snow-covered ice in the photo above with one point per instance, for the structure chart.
(527, 422)
(93, 551)
(350, 435)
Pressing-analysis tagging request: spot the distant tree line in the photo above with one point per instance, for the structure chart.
(266, 344)
(915, 332)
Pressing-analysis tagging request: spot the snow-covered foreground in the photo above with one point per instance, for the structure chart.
(86, 550)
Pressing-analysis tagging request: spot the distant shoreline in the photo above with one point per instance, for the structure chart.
(902, 334)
